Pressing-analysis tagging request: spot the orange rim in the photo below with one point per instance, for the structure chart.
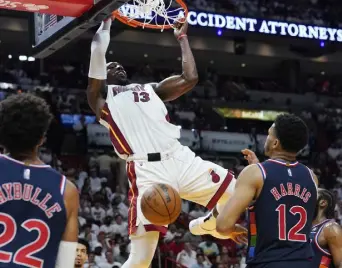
(134, 23)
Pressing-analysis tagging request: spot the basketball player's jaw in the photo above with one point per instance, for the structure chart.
(116, 74)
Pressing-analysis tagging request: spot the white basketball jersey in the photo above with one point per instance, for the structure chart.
(137, 120)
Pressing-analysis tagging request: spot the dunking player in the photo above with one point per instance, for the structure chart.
(284, 194)
(39, 207)
(137, 120)
(326, 234)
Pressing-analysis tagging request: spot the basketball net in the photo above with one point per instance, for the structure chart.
(152, 14)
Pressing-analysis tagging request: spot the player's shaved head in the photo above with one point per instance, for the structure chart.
(24, 120)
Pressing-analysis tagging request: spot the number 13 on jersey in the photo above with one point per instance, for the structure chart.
(141, 96)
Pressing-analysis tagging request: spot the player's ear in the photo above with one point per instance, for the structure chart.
(323, 203)
(276, 144)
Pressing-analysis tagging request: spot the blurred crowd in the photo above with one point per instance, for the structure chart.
(101, 178)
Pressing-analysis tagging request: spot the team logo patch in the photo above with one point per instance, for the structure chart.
(214, 176)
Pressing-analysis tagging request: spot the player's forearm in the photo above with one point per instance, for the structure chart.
(98, 67)
(188, 61)
(99, 46)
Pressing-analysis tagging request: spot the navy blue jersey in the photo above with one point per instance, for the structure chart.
(32, 214)
(322, 256)
(280, 219)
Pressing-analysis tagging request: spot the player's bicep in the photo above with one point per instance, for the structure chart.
(173, 87)
(71, 200)
(333, 235)
(244, 193)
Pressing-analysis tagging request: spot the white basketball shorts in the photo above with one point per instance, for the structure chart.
(195, 179)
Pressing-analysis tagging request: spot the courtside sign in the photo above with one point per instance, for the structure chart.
(245, 24)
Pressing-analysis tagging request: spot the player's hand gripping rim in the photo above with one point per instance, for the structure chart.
(250, 156)
(180, 30)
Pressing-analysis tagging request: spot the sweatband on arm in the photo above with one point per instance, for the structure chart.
(99, 46)
(66, 255)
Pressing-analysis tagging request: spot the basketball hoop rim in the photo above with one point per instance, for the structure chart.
(135, 23)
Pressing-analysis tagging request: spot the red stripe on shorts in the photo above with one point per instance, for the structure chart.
(212, 203)
(116, 136)
(132, 198)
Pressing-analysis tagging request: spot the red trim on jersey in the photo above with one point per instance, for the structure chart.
(133, 198)
(284, 163)
(116, 136)
(262, 169)
(167, 117)
(319, 231)
(152, 227)
(212, 203)
(22, 163)
(133, 194)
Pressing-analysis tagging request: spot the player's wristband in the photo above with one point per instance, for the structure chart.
(181, 36)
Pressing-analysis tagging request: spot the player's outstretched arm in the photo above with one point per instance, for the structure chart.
(98, 68)
(247, 187)
(333, 235)
(175, 86)
(67, 248)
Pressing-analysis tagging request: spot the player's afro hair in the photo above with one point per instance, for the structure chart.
(292, 132)
(24, 120)
(330, 198)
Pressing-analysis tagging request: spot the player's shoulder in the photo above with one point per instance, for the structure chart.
(332, 229)
(252, 173)
(71, 194)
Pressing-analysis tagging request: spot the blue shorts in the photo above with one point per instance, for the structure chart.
(282, 264)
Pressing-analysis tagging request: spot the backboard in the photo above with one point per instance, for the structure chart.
(50, 32)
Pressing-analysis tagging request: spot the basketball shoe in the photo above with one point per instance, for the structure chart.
(205, 225)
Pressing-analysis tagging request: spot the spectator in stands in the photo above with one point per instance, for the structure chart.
(170, 234)
(187, 257)
(200, 262)
(209, 247)
(98, 213)
(118, 207)
(119, 226)
(109, 262)
(95, 181)
(104, 162)
(86, 233)
(91, 261)
(118, 192)
(123, 256)
(106, 227)
(197, 212)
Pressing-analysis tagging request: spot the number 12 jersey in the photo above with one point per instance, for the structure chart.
(280, 220)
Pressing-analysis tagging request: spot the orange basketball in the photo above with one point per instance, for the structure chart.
(161, 204)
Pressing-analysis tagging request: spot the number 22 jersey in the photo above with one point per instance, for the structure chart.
(280, 220)
(137, 120)
(32, 214)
